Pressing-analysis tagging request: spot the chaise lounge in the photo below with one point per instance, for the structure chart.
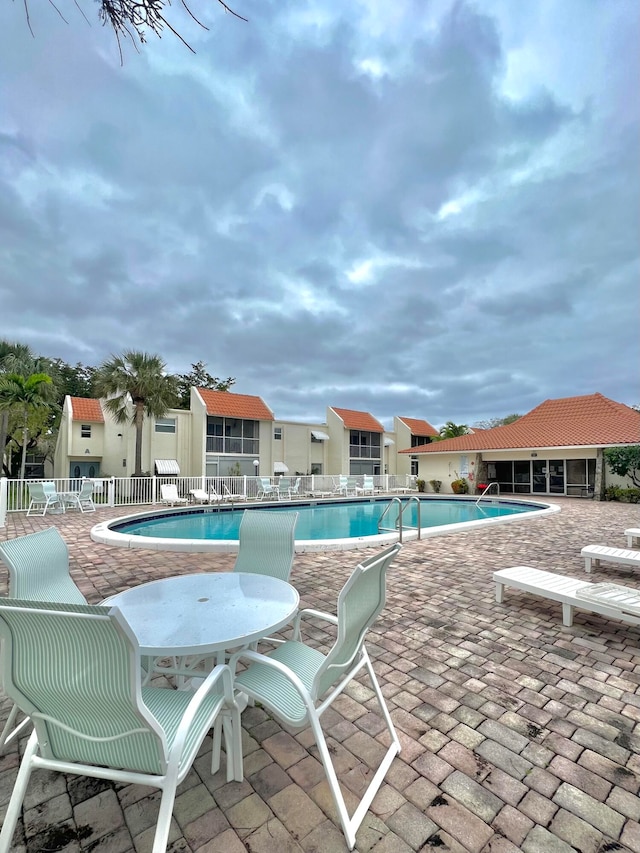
(632, 533)
(608, 599)
(594, 553)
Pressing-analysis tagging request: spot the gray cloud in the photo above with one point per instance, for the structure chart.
(425, 210)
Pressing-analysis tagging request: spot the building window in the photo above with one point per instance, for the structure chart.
(414, 466)
(165, 425)
(232, 435)
(364, 445)
(419, 440)
(277, 433)
(85, 431)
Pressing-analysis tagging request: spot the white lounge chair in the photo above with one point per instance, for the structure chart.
(228, 495)
(169, 494)
(199, 496)
(632, 533)
(594, 553)
(608, 599)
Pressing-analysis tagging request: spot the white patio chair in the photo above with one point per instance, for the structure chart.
(76, 670)
(82, 500)
(266, 489)
(367, 487)
(38, 565)
(291, 681)
(85, 496)
(169, 494)
(228, 495)
(340, 487)
(266, 543)
(43, 499)
(284, 487)
(294, 489)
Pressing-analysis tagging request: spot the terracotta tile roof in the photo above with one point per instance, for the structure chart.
(419, 427)
(228, 405)
(358, 420)
(589, 421)
(86, 410)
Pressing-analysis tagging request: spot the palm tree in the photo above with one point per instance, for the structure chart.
(141, 379)
(451, 430)
(24, 395)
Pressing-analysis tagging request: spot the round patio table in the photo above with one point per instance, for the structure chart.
(202, 614)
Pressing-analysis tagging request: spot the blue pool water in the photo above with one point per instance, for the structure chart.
(322, 521)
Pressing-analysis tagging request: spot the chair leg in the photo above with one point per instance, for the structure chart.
(161, 837)
(17, 796)
(350, 825)
(7, 735)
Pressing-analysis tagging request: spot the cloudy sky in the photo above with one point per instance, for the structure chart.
(421, 207)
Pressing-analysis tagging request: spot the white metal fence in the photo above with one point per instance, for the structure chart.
(136, 491)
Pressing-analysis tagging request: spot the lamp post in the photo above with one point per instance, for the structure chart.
(256, 465)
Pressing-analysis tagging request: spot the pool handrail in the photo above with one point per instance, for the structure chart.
(486, 489)
(402, 507)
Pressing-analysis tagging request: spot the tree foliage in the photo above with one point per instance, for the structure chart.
(75, 380)
(451, 430)
(136, 384)
(24, 395)
(133, 19)
(199, 377)
(495, 422)
(625, 462)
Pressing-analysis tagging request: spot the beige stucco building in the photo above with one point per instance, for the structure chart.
(224, 434)
(557, 448)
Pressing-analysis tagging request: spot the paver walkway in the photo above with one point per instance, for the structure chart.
(517, 733)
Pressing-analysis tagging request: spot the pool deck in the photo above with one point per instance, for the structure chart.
(518, 734)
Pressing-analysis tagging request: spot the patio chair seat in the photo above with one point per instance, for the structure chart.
(297, 683)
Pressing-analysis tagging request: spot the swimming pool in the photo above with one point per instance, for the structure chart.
(322, 525)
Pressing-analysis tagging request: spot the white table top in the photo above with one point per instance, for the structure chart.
(204, 613)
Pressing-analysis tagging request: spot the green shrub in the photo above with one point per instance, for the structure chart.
(617, 493)
(436, 485)
(421, 485)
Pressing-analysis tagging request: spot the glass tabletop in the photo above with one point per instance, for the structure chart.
(205, 613)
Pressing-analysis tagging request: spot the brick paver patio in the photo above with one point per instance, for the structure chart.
(517, 733)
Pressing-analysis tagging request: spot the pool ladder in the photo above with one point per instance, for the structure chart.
(497, 485)
(401, 508)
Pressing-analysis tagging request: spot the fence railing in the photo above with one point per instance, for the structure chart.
(136, 491)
